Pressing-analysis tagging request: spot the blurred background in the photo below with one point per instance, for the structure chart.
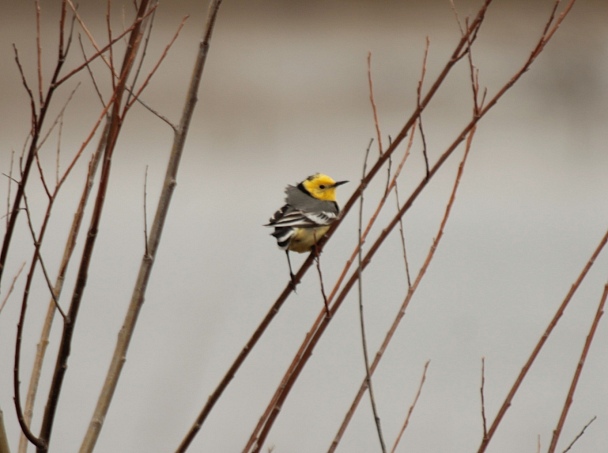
(284, 95)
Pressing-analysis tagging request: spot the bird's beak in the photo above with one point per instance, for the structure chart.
(339, 183)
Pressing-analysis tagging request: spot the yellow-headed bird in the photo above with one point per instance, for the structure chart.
(310, 208)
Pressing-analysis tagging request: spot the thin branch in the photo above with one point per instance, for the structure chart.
(37, 255)
(579, 369)
(58, 151)
(113, 76)
(9, 185)
(91, 75)
(116, 122)
(158, 63)
(57, 289)
(99, 51)
(539, 345)
(34, 114)
(483, 401)
(410, 293)
(418, 101)
(412, 407)
(37, 120)
(10, 289)
(147, 253)
(39, 52)
(147, 262)
(373, 102)
(142, 54)
(579, 435)
(318, 260)
(360, 297)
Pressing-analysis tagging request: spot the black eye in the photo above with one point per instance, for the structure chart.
(322, 186)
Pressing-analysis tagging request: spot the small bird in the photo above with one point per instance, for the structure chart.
(310, 208)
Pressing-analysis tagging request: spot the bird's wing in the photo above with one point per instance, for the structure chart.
(288, 217)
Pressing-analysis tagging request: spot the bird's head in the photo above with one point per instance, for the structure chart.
(321, 187)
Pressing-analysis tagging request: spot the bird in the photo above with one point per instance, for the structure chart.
(310, 208)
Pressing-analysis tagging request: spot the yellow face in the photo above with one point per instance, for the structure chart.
(321, 186)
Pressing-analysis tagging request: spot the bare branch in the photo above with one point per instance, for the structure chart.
(577, 373)
(34, 114)
(373, 102)
(158, 63)
(99, 50)
(408, 297)
(39, 52)
(579, 435)
(541, 342)
(483, 401)
(418, 102)
(10, 289)
(67, 255)
(81, 280)
(368, 376)
(147, 262)
(412, 407)
(147, 253)
(91, 75)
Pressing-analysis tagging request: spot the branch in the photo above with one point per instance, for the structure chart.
(410, 293)
(10, 289)
(579, 435)
(579, 369)
(412, 407)
(539, 345)
(67, 255)
(147, 262)
(368, 375)
(116, 122)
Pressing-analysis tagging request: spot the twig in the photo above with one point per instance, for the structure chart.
(579, 435)
(91, 75)
(318, 260)
(361, 312)
(37, 119)
(147, 262)
(577, 373)
(418, 102)
(147, 253)
(158, 63)
(9, 181)
(67, 254)
(113, 76)
(116, 122)
(39, 52)
(99, 51)
(539, 345)
(143, 53)
(483, 402)
(373, 103)
(412, 407)
(410, 293)
(10, 289)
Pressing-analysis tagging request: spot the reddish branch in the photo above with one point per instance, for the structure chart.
(38, 117)
(116, 121)
(541, 342)
(579, 370)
